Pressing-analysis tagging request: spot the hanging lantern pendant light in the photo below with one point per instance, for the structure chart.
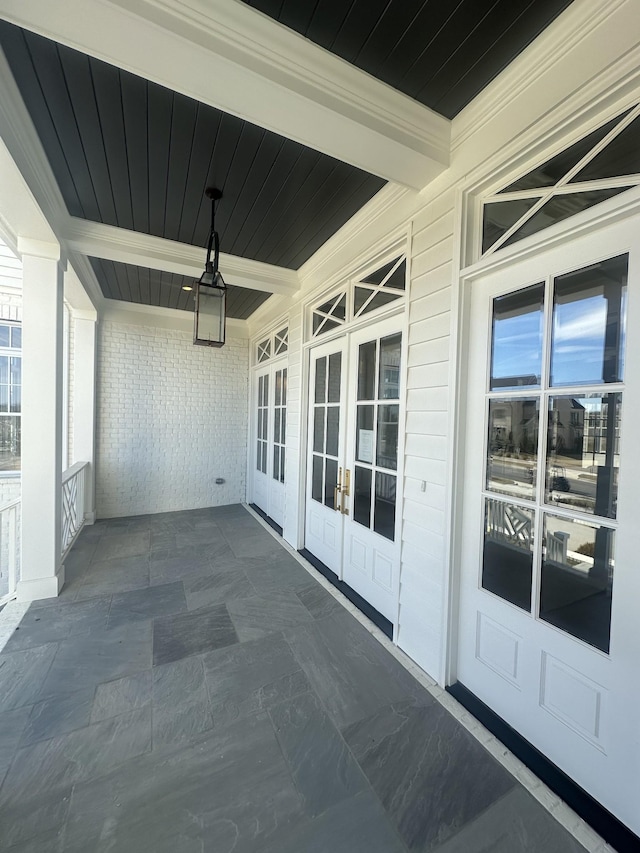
(211, 290)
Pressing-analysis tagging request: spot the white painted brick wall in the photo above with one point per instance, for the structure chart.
(171, 417)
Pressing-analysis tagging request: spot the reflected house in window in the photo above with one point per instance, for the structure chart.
(10, 396)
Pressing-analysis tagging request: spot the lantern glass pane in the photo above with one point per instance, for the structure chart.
(210, 315)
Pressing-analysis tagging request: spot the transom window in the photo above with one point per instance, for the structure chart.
(375, 290)
(600, 166)
(274, 345)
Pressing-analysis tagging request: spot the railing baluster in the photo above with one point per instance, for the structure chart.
(73, 497)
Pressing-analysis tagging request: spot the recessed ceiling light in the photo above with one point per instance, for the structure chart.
(187, 287)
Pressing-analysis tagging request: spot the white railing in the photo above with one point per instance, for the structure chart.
(10, 531)
(73, 504)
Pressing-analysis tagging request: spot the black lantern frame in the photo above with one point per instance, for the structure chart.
(211, 290)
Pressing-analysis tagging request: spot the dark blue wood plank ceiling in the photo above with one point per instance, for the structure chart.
(439, 52)
(153, 287)
(131, 153)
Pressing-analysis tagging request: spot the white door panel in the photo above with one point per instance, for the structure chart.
(354, 461)
(548, 634)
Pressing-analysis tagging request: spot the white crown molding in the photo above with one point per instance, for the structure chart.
(562, 37)
(223, 53)
(143, 250)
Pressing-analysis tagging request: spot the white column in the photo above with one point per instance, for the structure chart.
(42, 400)
(84, 402)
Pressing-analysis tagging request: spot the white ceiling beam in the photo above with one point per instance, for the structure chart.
(130, 247)
(227, 55)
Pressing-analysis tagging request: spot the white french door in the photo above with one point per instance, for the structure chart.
(354, 460)
(268, 454)
(550, 585)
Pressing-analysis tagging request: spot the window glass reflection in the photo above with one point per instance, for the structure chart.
(384, 511)
(589, 308)
(512, 453)
(316, 479)
(507, 563)
(321, 381)
(331, 478)
(389, 379)
(335, 367)
(577, 579)
(516, 356)
(387, 437)
(333, 424)
(366, 370)
(583, 453)
(362, 496)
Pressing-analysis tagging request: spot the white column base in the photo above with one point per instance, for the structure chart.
(89, 518)
(34, 590)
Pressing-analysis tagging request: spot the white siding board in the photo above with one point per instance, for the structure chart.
(429, 352)
(434, 495)
(428, 399)
(431, 328)
(427, 422)
(438, 230)
(428, 375)
(431, 543)
(430, 282)
(431, 303)
(437, 256)
(431, 470)
(427, 446)
(431, 519)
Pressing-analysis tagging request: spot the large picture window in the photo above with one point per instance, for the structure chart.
(10, 395)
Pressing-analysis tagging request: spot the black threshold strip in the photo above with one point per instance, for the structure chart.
(267, 518)
(363, 606)
(602, 821)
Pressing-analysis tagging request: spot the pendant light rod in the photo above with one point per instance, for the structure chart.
(215, 195)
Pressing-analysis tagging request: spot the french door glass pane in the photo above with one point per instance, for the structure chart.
(367, 370)
(316, 478)
(364, 434)
(512, 452)
(333, 427)
(589, 324)
(362, 496)
(331, 479)
(318, 430)
(516, 357)
(583, 455)
(335, 368)
(321, 380)
(577, 579)
(276, 462)
(389, 379)
(507, 564)
(387, 437)
(384, 512)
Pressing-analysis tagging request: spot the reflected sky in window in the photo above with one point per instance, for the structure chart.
(589, 325)
(517, 339)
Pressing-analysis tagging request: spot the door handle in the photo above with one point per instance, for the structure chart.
(337, 489)
(345, 492)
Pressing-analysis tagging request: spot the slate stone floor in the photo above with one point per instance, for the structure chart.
(195, 689)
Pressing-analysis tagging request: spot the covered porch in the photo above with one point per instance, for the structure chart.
(197, 686)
